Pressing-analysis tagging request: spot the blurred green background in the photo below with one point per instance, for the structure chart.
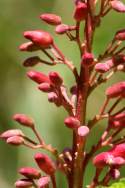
(20, 95)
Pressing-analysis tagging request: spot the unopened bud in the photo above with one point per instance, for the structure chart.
(81, 11)
(87, 59)
(45, 163)
(116, 90)
(55, 78)
(43, 181)
(117, 6)
(23, 183)
(51, 19)
(29, 47)
(52, 97)
(120, 116)
(72, 122)
(15, 140)
(120, 35)
(11, 133)
(115, 174)
(38, 77)
(39, 37)
(32, 61)
(45, 87)
(61, 29)
(83, 131)
(30, 173)
(102, 67)
(24, 120)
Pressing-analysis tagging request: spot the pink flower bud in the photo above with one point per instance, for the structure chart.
(39, 37)
(116, 124)
(102, 67)
(118, 161)
(103, 159)
(55, 79)
(29, 47)
(120, 35)
(117, 5)
(38, 77)
(81, 11)
(61, 29)
(51, 19)
(116, 90)
(118, 150)
(72, 122)
(30, 173)
(15, 140)
(43, 181)
(11, 133)
(45, 87)
(110, 63)
(115, 174)
(23, 183)
(24, 120)
(118, 117)
(32, 61)
(52, 97)
(45, 163)
(83, 131)
(87, 59)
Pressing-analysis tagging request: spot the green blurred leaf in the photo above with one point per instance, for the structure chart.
(120, 184)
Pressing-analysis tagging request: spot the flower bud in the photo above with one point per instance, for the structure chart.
(120, 35)
(118, 161)
(81, 11)
(45, 87)
(52, 97)
(102, 67)
(24, 120)
(87, 59)
(55, 79)
(29, 47)
(118, 150)
(117, 6)
(11, 133)
(103, 159)
(43, 181)
(83, 131)
(15, 140)
(45, 163)
(115, 174)
(32, 61)
(62, 28)
(118, 117)
(51, 19)
(116, 124)
(116, 90)
(39, 37)
(30, 173)
(23, 183)
(38, 77)
(72, 122)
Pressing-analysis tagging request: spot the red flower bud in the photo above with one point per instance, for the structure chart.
(39, 37)
(11, 133)
(118, 117)
(118, 150)
(45, 87)
(51, 19)
(116, 124)
(29, 47)
(30, 173)
(72, 122)
(116, 90)
(83, 131)
(38, 77)
(87, 59)
(102, 67)
(120, 35)
(24, 120)
(15, 140)
(32, 61)
(61, 29)
(52, 97)
(103, 159)
(55, 79)
(117, 5)
(115, 173)
(45, 163)
(23, 183)
(81, 11)
(43, 181)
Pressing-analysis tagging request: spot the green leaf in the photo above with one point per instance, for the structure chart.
(119, 184)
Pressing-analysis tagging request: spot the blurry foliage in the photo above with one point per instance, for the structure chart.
(18, 94)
